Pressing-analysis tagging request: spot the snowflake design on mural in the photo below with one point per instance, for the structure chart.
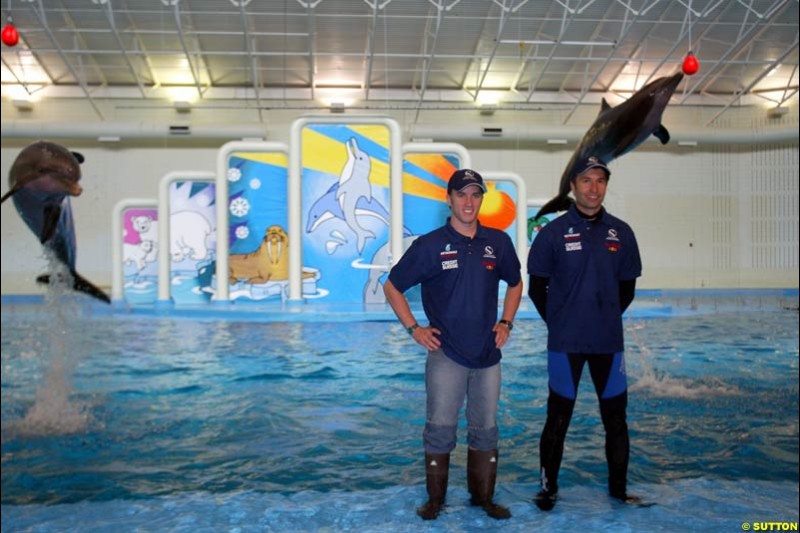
(234, 174)
(242, 232)
(239, 207)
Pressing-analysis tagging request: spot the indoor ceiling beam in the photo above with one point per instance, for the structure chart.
(593, 38)
(687, 30)
(755, 81)
(504, 16)
(565, 22)
(744, 40)
(641, 45)
(20, 82)
(252, 61)
(370, 51)
(42, 18)
(200, 56)
(113, 25)
(786, 93)
(80, 43)
(182, 39)
(533, 50)
(312, 44)
(428, 55)
(360, 54)
(623, 34)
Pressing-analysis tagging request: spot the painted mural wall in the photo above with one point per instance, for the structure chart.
(345, 213)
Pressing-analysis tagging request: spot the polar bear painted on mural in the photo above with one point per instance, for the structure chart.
(146, 227)
(188, 232)
(139, 254)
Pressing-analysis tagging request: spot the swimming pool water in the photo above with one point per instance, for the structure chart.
(317, 417)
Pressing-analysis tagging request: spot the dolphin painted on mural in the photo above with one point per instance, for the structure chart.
(326, 207)
(373, 288)
(41, 180)
(618, 130)
(354, 187)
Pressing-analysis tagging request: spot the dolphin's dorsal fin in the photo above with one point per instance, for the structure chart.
(604, 106)
(52, 213)
(661, 134)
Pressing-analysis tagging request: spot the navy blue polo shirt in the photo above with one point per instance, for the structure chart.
(460, 277)
(585, 261)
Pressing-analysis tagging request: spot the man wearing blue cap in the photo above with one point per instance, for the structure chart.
(460, 266)
(583, 268)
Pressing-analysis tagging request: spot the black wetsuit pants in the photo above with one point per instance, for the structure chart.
(610, 384)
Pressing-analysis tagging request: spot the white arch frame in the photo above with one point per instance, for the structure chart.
(464, 157)
(223, 220)
(117, 256)
(164, 288)
(294, 199)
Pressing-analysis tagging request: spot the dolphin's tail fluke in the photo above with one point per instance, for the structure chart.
(80, 284)
(559, 203)
(361, 239)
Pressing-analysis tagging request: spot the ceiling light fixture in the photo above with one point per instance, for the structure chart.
(556, 41)
(22, 104)
(777, 112)
(182, 106)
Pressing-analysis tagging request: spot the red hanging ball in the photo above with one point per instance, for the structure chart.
(690, 64)
(10, 35)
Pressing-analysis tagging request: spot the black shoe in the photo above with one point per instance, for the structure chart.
(545, 500)
(634, 501)
(494, 510)
(429, 511)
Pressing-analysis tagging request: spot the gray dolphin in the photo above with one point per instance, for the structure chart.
(41, 180)
(353, 186)
(618, 130)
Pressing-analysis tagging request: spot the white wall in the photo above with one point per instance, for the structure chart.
(705, 216)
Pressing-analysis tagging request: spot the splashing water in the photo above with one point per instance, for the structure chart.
(659, 384)
(54, 412)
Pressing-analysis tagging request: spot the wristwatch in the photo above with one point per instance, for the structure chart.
(508, 324)
(410, 329)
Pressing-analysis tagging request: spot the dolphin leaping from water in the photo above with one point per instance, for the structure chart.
(618, 130)
(41, 180)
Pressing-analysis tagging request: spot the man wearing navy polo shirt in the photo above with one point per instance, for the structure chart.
(583, 268)
(460, 266)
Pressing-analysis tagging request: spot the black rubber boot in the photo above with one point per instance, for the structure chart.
(437, 471)
(481, 478)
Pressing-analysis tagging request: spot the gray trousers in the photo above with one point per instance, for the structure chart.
(447, 384)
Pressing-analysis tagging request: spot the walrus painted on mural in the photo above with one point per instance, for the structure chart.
(269, 262)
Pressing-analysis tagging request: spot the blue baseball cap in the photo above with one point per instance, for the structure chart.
(463, 178)
(582, 166)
